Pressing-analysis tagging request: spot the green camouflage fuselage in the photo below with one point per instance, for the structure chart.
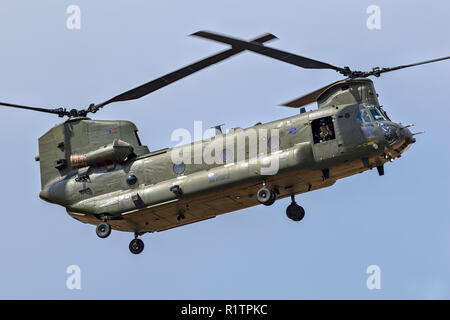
(362, 138)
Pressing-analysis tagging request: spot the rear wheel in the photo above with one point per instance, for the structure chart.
(103, 230)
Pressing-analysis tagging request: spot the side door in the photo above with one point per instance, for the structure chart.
(348, 129)
(325, 143)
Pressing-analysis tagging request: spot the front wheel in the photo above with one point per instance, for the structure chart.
(136, 246)
(266, 196)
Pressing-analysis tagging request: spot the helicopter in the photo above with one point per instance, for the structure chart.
(102, 174)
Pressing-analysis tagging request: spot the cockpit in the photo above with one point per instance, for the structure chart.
(371, 117)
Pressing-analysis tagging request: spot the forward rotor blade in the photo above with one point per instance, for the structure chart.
(308, 98)
(377, 71)
(59, 111)
(291, 58)
(167, 79)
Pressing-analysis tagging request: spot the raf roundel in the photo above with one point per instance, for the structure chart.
(293, 130)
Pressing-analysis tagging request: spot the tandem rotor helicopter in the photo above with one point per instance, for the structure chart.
(102, 174)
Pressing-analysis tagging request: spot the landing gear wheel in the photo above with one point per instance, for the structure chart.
(295, 212)
(266, 196)
(136, 246)
(103, 230)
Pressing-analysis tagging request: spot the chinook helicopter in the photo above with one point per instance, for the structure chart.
(103, 175)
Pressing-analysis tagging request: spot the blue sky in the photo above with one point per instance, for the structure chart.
(399, 222)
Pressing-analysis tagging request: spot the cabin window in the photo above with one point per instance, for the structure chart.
(179, 167)
(323, 129)
(131, 180)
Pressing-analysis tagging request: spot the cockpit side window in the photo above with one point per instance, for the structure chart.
(363, 115)
(359, 118)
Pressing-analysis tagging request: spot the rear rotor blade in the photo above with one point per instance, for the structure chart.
(377, 71)
(167, 79)
(308, 98)
(270, 52)
(59, 111)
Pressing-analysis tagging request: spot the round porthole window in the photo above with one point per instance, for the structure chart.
(131, 180)
(179, 168)
(227, 155)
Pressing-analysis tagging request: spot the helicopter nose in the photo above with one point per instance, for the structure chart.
(407, 136)
(403, 140)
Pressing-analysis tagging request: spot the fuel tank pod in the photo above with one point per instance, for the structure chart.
(117, 151)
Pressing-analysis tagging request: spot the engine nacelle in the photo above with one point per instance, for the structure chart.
(117, 151)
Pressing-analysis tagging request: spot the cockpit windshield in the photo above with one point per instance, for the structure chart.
(369, 113)
(376, 115)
